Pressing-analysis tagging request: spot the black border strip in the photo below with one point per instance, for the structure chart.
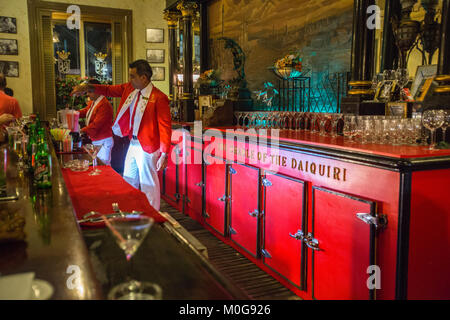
(404, 213)
(372, 239)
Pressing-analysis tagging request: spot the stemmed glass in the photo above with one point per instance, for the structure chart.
(93, 150)
(446, 123)
(433, 119)
(129, 231)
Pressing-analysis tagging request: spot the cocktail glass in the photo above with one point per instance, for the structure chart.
(93, 150)
(129, 232)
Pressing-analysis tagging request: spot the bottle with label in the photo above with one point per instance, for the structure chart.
(31, 147)
(43, 170)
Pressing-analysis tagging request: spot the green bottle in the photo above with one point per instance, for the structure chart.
(31, 147)
(43, 170)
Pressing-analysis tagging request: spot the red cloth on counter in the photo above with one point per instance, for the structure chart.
(98, 193)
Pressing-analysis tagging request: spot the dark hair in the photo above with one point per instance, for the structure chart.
(2, 81)
(93, 81)
(142, 68)
(9, 92)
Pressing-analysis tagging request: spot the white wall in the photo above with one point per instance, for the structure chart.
(146, 14)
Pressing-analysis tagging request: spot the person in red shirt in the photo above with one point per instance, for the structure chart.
(8, 105)
(99, 117)
(143, 116)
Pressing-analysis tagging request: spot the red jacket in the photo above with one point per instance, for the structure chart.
(155, 129)
(101, 120)
(9, 105)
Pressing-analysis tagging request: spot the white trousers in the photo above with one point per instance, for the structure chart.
(105, 152)
(140, 169)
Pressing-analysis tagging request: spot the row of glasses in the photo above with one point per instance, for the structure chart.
(433, 120)
(393, 130)
(323, 123)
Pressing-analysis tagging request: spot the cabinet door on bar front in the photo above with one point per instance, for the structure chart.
(194, 185)
(345, 246)
(170, 177)
(216, 196)
(284, 200)
(244, 209)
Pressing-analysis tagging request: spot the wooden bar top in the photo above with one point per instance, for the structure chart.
(54, 245)
(307, 138)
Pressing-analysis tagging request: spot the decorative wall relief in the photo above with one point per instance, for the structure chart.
(265, 30)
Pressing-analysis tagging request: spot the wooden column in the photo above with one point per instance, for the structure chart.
(172, 22)
(362, 50)
(204, 38)
(444, 53)
(187, 10)
(389, 53)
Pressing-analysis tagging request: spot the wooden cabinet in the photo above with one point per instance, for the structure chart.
(216, 196)
(170, 179)
(343, 245)
(244, 207)
(284, 211)
(194, 185)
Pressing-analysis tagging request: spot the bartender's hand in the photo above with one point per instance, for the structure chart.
(162, 162)
(6, 118)
(80, 89)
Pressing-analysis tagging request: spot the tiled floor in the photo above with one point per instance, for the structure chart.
(257, 284)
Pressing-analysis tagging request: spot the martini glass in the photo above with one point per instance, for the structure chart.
(129, 231)
(93, 150)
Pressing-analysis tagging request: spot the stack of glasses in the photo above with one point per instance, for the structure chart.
(391, 130)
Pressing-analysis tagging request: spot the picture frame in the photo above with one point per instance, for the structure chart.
(424, 89)
(204, 102)
(423, 73)
(8, 25)
(10, 68)
(9, 47)
(154, 35)
(155, 55)
(158, 74)
(399, 108)
(385, 90)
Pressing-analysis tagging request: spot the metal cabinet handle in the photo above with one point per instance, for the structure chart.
(200, 184)
(223, 198)
(312, 244)
(254, 214)
(298, 235)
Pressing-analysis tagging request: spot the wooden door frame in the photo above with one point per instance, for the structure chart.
(37, 8)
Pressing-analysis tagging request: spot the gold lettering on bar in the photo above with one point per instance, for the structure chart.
(315, 168)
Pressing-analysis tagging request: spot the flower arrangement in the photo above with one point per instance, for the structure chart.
(64, 87)
(292, 60)
(209, 75)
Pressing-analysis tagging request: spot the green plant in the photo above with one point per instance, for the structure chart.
(64, 87)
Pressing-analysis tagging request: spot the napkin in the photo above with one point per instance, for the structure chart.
(16, 286)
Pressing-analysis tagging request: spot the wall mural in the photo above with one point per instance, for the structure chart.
(267, 30)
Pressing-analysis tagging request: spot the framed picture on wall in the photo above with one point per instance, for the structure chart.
(9, 46)
(158, 74)
(9, 68)
(8, 25)
(422, 74)
(154, 35)
(155, 55)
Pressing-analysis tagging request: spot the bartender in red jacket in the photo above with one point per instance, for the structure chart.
(99, 117)
(143, 116)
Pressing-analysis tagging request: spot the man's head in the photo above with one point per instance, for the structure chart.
(91, 92)
(140, 74)
(2, 81)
